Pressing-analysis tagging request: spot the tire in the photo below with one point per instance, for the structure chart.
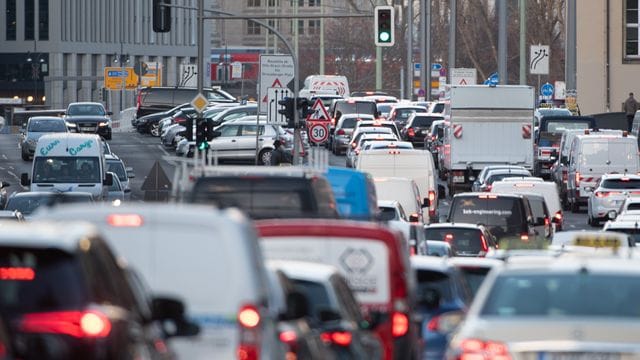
(154, 130)
(265, 157)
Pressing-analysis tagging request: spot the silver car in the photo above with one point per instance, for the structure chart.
(608, 196)
(116, 166)
(554, 308)
(117, 192)
(35, 128)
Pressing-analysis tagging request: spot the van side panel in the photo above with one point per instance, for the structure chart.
(354, 192)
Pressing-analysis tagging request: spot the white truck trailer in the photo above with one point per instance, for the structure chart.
(487, 125)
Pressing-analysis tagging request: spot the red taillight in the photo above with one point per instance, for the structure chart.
(180, 120)
(601, 194)
(432, 203)
(558, 215)
(488, 188)
(288, 336)
(249, 317)
(524, 237)
(341, 338)
(478, 349)
(577, 177)
(124, 220)
(411, 132)
(353, 145)
(483, 242)
(79, 324)
(17, 273)
(340, 132)
(399, 324)
(546, 221)
(448, 238)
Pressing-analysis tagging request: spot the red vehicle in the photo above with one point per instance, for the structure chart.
(375, 262)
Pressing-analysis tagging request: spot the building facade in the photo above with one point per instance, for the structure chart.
(608, 56)
(55, 51)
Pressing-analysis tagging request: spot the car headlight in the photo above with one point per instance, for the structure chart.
(71, 125)
(103, 123)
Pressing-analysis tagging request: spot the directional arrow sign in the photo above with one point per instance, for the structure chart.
(275, 71)
(539, 60)
(275, 94)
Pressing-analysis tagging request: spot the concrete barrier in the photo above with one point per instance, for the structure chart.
(123, 123)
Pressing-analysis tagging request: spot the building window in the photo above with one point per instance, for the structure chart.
(275, 24)
(314, 27)
(300, 3)
(43, 19)
(29, 19)
(252, 28)
(300, 27)
(11, 19)
(253, 3)
(632, 30)
(274, 3)
(314, 3)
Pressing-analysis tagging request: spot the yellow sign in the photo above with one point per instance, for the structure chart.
(597, 242)
(153, 77)
(115, 76)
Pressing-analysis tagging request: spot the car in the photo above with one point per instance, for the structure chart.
(144, 124)
(418, 128)
(355, 140)
(3, 193)
(406, 192)
(599, 241)
(435, 248)
(539, 113)
(341, 134)
(196, 253)
(631, 227)
(468, 240)
(89, 117)
(36, 127)
(27, 202)
(340, 107)
(379, 123)
(608, 195)
(474, 270)
(352, 156)
(392, 213)
(232, 113)
(297, 331)
(124, 174)
(71, 298)
(629, 204)
(333, 306)
(479, 180)
(442, 295)
(117, 192)
(157, 98)
(180, 117)
(497, 175)
(354, 192)
(400, 113)
(265, 192)
(11, 215)
(566, 318)
(507, 216)
(375, 261)
(542, 219)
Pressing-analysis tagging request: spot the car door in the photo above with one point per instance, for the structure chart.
(246, 142)
(226, 145)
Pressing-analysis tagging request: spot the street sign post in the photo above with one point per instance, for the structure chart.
(275, 71)
(539, 60)
(464, 76)
(275, 94)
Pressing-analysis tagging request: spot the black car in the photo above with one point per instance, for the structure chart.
(66, 297)
(418, 127)
(89, 118)
(3, 193)
(154, 99)
(146, 123)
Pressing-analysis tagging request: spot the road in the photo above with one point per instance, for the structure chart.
(142, 151)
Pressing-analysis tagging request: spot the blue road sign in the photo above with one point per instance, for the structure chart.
(546, 90)
(436, 66)
(493, 79)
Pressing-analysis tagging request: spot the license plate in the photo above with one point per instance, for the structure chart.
(458, 179)
(579, 356)
(88, 129)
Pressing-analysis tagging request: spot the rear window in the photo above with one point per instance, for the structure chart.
(403, 114)
(559, 126)
(356, 107)
(86, 109)
(387, 213)
(316, 294)
(263, 197)
(621, 184)
(497, 177)
(424, 121)
(428, 280)
(574, 295)
(461, 240)
(474, 276)
(47, 126)
(36, 280)
(349, 123)
(438, 108)
(503, 215)
(538, 207)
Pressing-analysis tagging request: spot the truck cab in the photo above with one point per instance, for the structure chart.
(69, 162)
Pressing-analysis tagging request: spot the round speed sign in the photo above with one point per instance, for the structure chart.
(318, 132)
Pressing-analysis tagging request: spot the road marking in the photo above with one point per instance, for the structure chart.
(14, 175)
(5, 157)
(1, 168)
(170, 162)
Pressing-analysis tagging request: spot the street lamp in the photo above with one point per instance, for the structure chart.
(37, 61)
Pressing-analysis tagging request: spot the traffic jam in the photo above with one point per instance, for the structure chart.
(436, 231)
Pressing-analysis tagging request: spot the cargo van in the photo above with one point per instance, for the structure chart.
(66, 162)
(406, 192)
(354, 192)
(593, 154)
(375, 262)
(210, 259)
(416, 165)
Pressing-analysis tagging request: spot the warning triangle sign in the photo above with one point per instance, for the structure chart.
(156, 180)
(276, 83)
(318, 112)
(463, 82)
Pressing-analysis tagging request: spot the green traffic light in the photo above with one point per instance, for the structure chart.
(384, 36)
(203, 146)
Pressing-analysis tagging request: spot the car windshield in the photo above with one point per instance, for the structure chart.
(577, 294)
(86, 109)
(387, 213)
(28, 204)
(43, 280)
(356, 107)
(349, 123)
(118, 168)
(502, 215)
(67, 169)
(622, 184)
(47, 126)
(424, 121)
(461, 240)
(403, 114)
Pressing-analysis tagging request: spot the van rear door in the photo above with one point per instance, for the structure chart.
(622, 155)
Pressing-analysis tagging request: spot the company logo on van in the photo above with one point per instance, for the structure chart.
(46, 149)
(81, 147)
(357, 261)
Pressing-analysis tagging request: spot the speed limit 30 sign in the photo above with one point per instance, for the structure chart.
(318, 131)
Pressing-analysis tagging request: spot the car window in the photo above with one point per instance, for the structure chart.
(424, 121)
(538, 207)
(349, 123)
(118, 168)
(474, 276)
(503, 215)
(577, 294)
(66, 169)
(428, 279)
(564, 125)
(115, 186)
(387, 213)
(229, 130)
(250, 130)
(317, 295)
(86, 109)
(461, 240)
(47, 126)
(623, 183)
(40, 280)
(233, 115)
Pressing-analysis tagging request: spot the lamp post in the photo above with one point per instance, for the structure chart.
(36, 60)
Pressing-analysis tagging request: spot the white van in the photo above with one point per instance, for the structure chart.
(593, 154)
(416, 165)
(403, 190)
(210, 259)
(66, 162)
(531, 185)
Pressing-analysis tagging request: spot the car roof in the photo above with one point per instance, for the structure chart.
(45, 234)
(524, 179)
(485, 194)
(620, 176)
(453, 225)
(305, 270)
(573, 264)
(388, 203)
(282, 171)
(344, 116)
(475, 262)
(42, 194)
(50, 118)
(423, 262)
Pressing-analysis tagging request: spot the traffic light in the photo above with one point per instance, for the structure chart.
(303, 105)
(161, 16)
(201, 134)
(384, 24)
(188, 132)
(288, 109)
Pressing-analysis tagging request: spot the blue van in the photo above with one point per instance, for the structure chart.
(354, 192)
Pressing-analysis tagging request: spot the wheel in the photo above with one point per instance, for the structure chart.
(155, 130)
(265, 157)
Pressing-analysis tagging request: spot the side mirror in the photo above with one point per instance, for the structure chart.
(328, 315)
(108, 179)
(414, 218)
(588, 188)
(24, 179)
(426, 203)
(297, 306)
(171, 312)
(429, 298)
